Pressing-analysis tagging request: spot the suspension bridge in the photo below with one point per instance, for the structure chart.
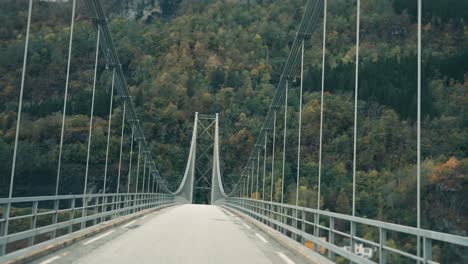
(144, 220)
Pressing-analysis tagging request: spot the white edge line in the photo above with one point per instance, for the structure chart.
(97, 238)
(50, 260)
(261, 238)
(129, 224)
(246, 225)
(285, 258)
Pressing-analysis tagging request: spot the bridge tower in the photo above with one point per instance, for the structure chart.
(204, 161)
(202, 179)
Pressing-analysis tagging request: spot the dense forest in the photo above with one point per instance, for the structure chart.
(226, 56)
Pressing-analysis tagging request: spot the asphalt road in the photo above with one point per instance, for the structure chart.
(182, 234)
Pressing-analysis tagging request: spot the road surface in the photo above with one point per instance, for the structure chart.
(181, 234)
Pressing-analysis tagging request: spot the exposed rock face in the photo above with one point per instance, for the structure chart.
(141, 9)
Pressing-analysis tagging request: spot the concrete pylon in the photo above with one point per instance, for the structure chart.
(217, 190)
(185, 189)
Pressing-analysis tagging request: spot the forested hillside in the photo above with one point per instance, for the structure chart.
(214, 56)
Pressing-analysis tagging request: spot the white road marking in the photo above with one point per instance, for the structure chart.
(246, 225)
(54, 258)
(129, 224)
(261, 238)
(97, 238)
(285, 258)
(144, 217)
(228, 213)
(50, 260)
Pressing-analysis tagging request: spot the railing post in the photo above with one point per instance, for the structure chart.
(382, 243)
(96, 209)
(427, 249)
(252, 208)
(303, 226)
(258, 210)
(4, 226)
(33, 222)
(113, 206)
(331, 238)
(284, 219)
(294, 223)
(141, 202)
(316, 228)
(264, 212)
(84, 211)
(280, 217)
(55, 217)
(72, 215)
(255, 210)
(271, 214)
(104, 208)
(352, 234)
(131, 203)
(124, 204)
(138, 202)
(116, 203)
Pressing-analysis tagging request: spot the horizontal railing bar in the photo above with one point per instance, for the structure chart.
(338, 250)
(298, 232)
(69, 197)
(434, 235)
(49, 228)
(365, 241)
(399, 252)
(19, 217)
(341, 233)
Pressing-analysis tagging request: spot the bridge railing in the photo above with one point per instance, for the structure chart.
(26, 221)
(332, 234)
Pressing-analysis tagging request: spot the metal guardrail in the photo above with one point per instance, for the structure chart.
(26, 221)
(306, 224)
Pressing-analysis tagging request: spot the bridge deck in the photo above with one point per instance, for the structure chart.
(182, 234)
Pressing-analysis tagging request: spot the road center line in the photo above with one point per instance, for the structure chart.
(97, 238)
(129, 224)
(261, 238)
(50, 260)
(246, 225)
(285, 258)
